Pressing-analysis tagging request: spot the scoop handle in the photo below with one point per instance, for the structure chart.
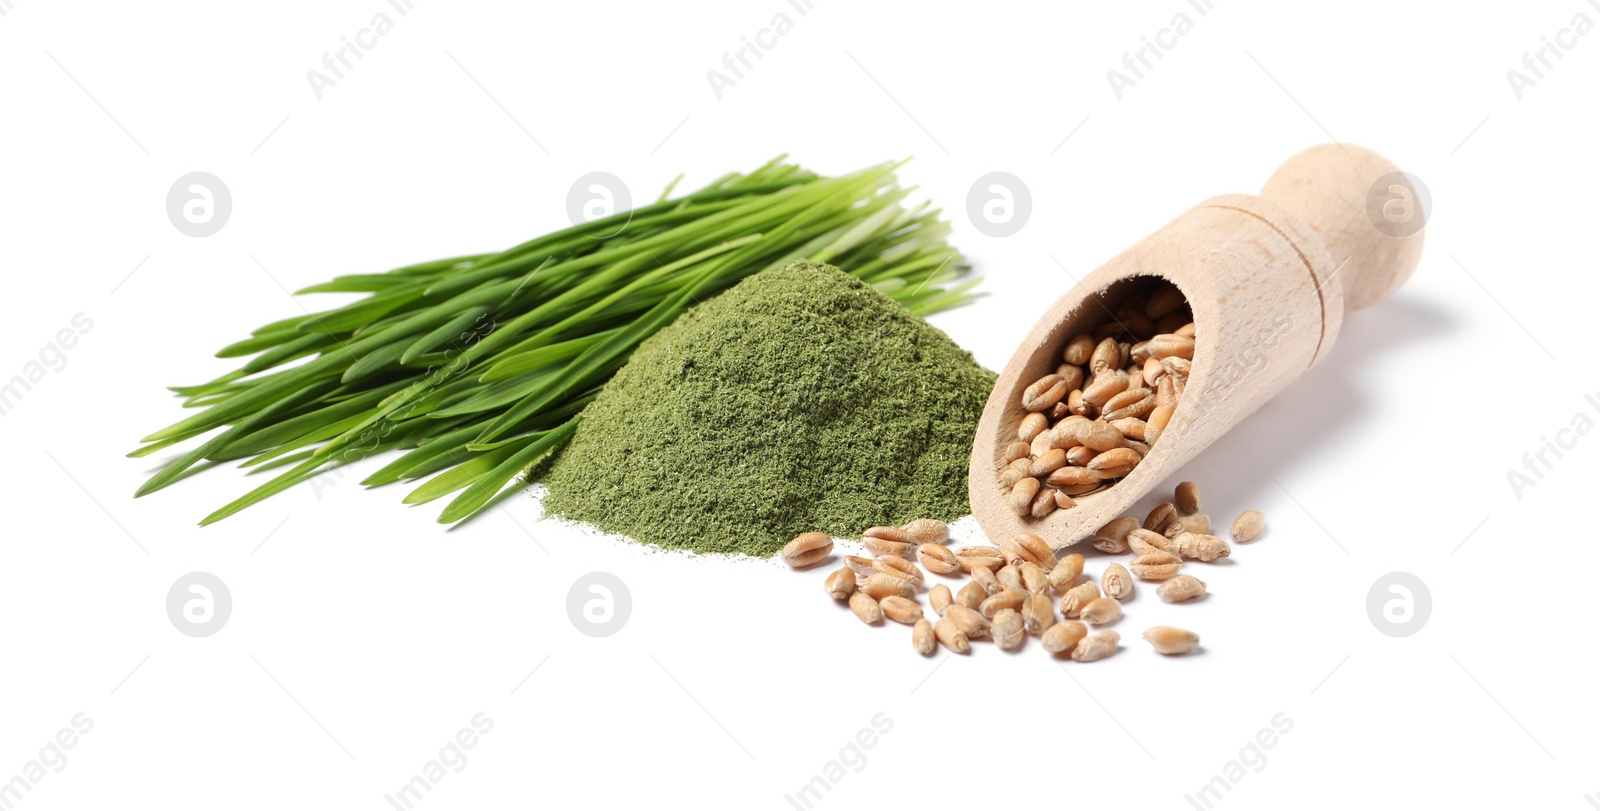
(1368, 213)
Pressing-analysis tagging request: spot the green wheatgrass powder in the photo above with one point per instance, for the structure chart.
(799, 400)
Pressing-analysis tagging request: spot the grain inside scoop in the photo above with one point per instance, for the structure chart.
(1266, 278)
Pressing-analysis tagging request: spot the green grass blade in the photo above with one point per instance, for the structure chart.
(444, 332)
(489, 486)
(534, 359)
(468, 472)
(374, 362)
(173, 470)
(442, 447)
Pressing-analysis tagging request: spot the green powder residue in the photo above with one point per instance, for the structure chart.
(801, 399)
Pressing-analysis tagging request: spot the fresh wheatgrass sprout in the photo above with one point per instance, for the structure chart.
(478, 366)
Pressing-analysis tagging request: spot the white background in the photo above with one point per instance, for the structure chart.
(363, 635)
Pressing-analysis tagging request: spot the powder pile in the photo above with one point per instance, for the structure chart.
(799, 400)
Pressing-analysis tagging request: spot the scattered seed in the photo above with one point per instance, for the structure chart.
(841, 584)
(1077, 597)
(987, 580)
(888, 541)
(862, 567)
(1172, 641)
(807, 549)
(1098, 645)
(922, 638)
(1199, 523)
(894, 534)
(1010, 598)
(1033, 578)
(1062, 636)
(1025, 546)
(1161, 515)
(1065, 575)
(887, 548)
(971, 595)
(901, 609)
(1008, 629)
(1113, 537)
(940, 598)
(899, 567)
(866, 608)
(1204, 548)
(1187, 497)
(1103, 611)
(1180, 588)
(938, 559)
(929, 530)
(984, 557)
(1144, 542)
(1116, 582)
(1156, 566)
(1010, 576)
(971, 623)
(881, 585)
(1038, 614)
(950, 636)
(1247, 527)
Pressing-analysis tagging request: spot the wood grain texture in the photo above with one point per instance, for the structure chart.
(1260, 279)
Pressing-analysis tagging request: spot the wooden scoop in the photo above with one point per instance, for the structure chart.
(1268, 279)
